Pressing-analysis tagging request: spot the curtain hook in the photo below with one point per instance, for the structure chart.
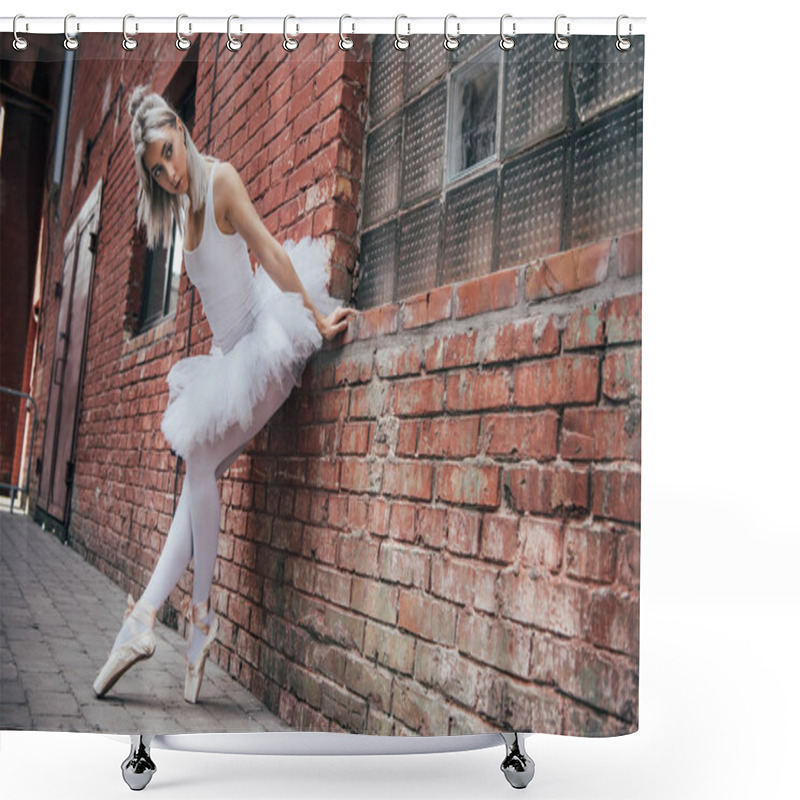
(622, 44)
(182, 43)
(400, 42)
(507, 42)
(20, 42)
(561, 43)
(451, 42)
(345, 42)
(70, 42)
(128, 42)
(289, 42)
(233, 44)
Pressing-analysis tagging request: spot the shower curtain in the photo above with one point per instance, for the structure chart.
(438, 532)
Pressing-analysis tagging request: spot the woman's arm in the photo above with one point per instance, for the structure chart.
(244, 218)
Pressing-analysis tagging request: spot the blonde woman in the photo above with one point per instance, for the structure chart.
(265, 327)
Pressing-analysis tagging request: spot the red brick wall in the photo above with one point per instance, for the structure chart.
(449, 528)
(437, 533)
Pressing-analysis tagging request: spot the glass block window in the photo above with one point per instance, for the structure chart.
(418, 252)
(469, 229)
(423, 154)
(479, 159)
(473, 115)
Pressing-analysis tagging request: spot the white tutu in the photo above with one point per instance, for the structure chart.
(210, 393)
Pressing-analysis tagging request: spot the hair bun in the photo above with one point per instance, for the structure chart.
(137, 96)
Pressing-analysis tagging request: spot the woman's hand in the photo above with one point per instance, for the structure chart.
(335, 322)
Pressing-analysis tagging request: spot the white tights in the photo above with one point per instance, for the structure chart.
(195, 526)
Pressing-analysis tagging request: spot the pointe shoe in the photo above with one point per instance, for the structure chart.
(194, 672)
(122, 658)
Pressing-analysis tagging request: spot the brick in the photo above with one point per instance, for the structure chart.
(427, 617)
(417, 396)
(591, 553)
(376, 322)
(500, 538)
(355, 369)
(544, 601)
(358, 555)
(596, 434)
(378, 516)
(370, 401)
(614, 621)
(465, 583)
(585, 327)
(375, 599)
(449, 437)
(547, 490)
(541, 540)
(521, 436)
(431, 526)
(468, 484)
(617, 494)
(624, 319)
(391, 362)
(496, 642)
(360, 476)
(428, 307)
(402, 523)
(389, 647)
(622, 374)
(355, 438)
(513, 341)
(371, 683)
(519, 706)
(419, 710)
(487, 293)
(567, 379)
(408, 479)
(468, 391)
(629, 254)
(569, 271)
(333, 586)
(463, 531)
(409, 566)
(600, 680)
(448, 672)
(447, 352)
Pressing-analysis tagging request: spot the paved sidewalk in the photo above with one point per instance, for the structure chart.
(58, 619)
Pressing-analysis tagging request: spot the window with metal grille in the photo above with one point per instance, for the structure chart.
(480, 159)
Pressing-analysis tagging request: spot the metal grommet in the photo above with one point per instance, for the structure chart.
(561, 42)
(400, 42)
(182, 43)
(345, 43)
(623, 44)
(451, 42)
(70, 42)
(20, 42)
(289, 42)
(507, 42)
(128, 42)
(233, 44)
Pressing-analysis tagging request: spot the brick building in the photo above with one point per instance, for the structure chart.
(439, 531)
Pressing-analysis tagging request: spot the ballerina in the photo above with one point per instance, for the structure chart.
(265, 327)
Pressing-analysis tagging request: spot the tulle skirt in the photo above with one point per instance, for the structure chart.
(208, 394)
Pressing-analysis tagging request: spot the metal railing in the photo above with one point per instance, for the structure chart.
(30, 404)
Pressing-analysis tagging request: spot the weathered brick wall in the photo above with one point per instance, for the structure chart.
(438, 532)
(440, 535)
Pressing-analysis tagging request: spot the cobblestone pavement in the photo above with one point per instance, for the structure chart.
(58, 619)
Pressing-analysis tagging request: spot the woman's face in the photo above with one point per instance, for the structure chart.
(165, 160)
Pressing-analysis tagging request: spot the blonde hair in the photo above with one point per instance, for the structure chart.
(150, 114)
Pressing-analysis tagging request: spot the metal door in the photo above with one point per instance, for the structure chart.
(65, 387)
